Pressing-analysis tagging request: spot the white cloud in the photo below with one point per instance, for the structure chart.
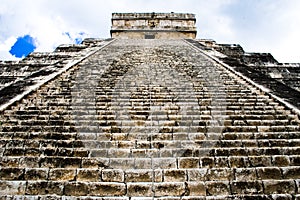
(5, 47)
(286, 45)
(7, 43)
(271, 25)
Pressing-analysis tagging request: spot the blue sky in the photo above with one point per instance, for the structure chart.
(258, 25)
(23, 46)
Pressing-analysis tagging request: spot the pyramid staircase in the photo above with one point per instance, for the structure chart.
(148, 119)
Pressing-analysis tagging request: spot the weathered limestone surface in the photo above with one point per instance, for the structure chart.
(153, 25)
(18, 77)
(148, 119)
(283, 79)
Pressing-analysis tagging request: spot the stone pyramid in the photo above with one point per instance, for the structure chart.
(136, 118)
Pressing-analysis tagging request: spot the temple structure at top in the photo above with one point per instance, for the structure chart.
(153, 25)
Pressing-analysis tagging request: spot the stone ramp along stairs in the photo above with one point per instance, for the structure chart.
(149, 119)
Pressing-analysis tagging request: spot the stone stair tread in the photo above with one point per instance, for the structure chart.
(150, 175)
(158, 144)
(102, 130)
(209, 188)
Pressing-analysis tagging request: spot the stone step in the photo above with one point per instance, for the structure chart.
(191, 126)
(114, 189)
(85, 117)
(192, 105)
(148, 140)
(176, 135)
(198, 197)
(132, 154)
(150, 175)
(204, 161)
(123, 126)
(151, 118)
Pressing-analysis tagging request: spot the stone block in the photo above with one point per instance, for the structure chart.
(220, 174)
(98, 153)
(279, 187)
(50, 152)
(166, 153)
(240, 151)
(291, 172)
(32, 152)
(36, 174)
(91, 175)
(169, 189)
(281, 161)
(12, 187)
(220, 151)
(282, 197)
(121, 163)
(164, 163)
(44, 187)
(214, 188)
(107, 189)
(55, 187)
(138, 153)
(76, 189)
(197, 174)
(298, 186)
(71, 162)
(126, 144)
(182, 136)
(87, 136)
(95, 163)
(61, 174)
(51, 162)
(188, 163)
(245, 174)
(65, 152)
(294, 160)
(14, 151)
(260, 161)
(175, 175)
(207, 162)
(139, 189)
(246, 187)
(249, 143)
(139, 175)
(182, 152)
(269, 173)
(238, 162)
(143, 163)
(28, 162)
(12, 173)
(273, 151)
(112, 175)
(103, 136)
(118, 153)
(221, 162)
(196, 188)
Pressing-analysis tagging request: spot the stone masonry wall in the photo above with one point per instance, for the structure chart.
(149, 119)
(153, 34)
(282, 79)
(159, 25)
